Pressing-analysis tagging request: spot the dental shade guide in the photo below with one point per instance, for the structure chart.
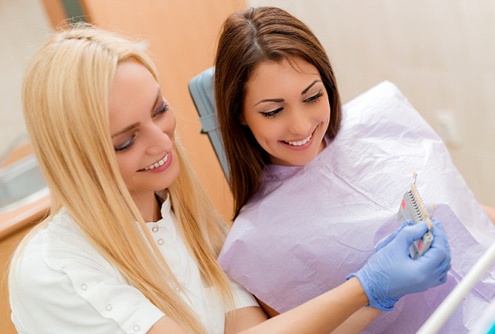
(412, 208)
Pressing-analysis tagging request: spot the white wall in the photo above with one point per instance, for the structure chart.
(441, 54)
(23, 27)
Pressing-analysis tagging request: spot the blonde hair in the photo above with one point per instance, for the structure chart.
(65, 96)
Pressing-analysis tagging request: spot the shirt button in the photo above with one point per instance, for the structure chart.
(108, 307)
(160, 241)
(84, 287)
(154, 229)
(136, 328)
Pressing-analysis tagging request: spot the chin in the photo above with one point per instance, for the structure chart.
(299, 162)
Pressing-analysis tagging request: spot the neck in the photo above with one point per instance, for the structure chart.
(149, 207)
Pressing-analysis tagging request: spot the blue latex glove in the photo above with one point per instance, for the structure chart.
(385, 241)
(391, 273)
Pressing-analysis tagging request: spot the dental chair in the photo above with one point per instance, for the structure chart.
(203, 96)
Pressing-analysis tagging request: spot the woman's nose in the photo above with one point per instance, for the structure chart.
(298, 123)
(158, 141)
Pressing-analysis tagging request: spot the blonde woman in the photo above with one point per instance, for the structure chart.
(131, 243)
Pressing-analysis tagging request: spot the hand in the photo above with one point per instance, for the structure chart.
(385, 241)
(390, 273)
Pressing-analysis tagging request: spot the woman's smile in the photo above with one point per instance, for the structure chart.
(160, 165)
(287, 109)
(302, 143)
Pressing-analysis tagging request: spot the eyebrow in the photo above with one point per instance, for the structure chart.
(304, 91)
(134, 125)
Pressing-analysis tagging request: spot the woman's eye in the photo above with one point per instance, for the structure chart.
(125, 146)
(272, 113)
(165, 107)
(314, 98)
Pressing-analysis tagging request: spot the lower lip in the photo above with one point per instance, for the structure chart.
(163, 167)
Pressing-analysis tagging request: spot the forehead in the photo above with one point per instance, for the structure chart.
(131, 78)
(269, 74)
(133, 88)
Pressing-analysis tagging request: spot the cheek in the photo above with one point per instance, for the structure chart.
(323, 115)
(268, 140)
(126, 166)
(262, 126)
(327, 110)
(264, 132)
(328, 116)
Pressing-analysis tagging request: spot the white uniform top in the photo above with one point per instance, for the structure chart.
(61, 284)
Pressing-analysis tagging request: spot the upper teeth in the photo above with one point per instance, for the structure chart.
(157, 164)
(301, 142)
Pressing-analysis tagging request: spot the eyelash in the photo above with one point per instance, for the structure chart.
(162, 109)
(314, 98)
(273, 113)
(128, 144)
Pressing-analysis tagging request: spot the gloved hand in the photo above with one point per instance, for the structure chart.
(385, 241)
(390, 273)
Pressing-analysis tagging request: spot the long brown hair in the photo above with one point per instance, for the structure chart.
(248, 38)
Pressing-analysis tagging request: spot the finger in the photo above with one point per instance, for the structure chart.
(385, 241)
(438, 227)
(412, 233)
(440, 238)
(443, 277)
(437, 276)
(443, 268)
(436, 259)
(437, 263)
(445, 274)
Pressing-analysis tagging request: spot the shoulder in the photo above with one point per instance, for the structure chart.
(60, 282)
(54, 246)
(47, 267)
